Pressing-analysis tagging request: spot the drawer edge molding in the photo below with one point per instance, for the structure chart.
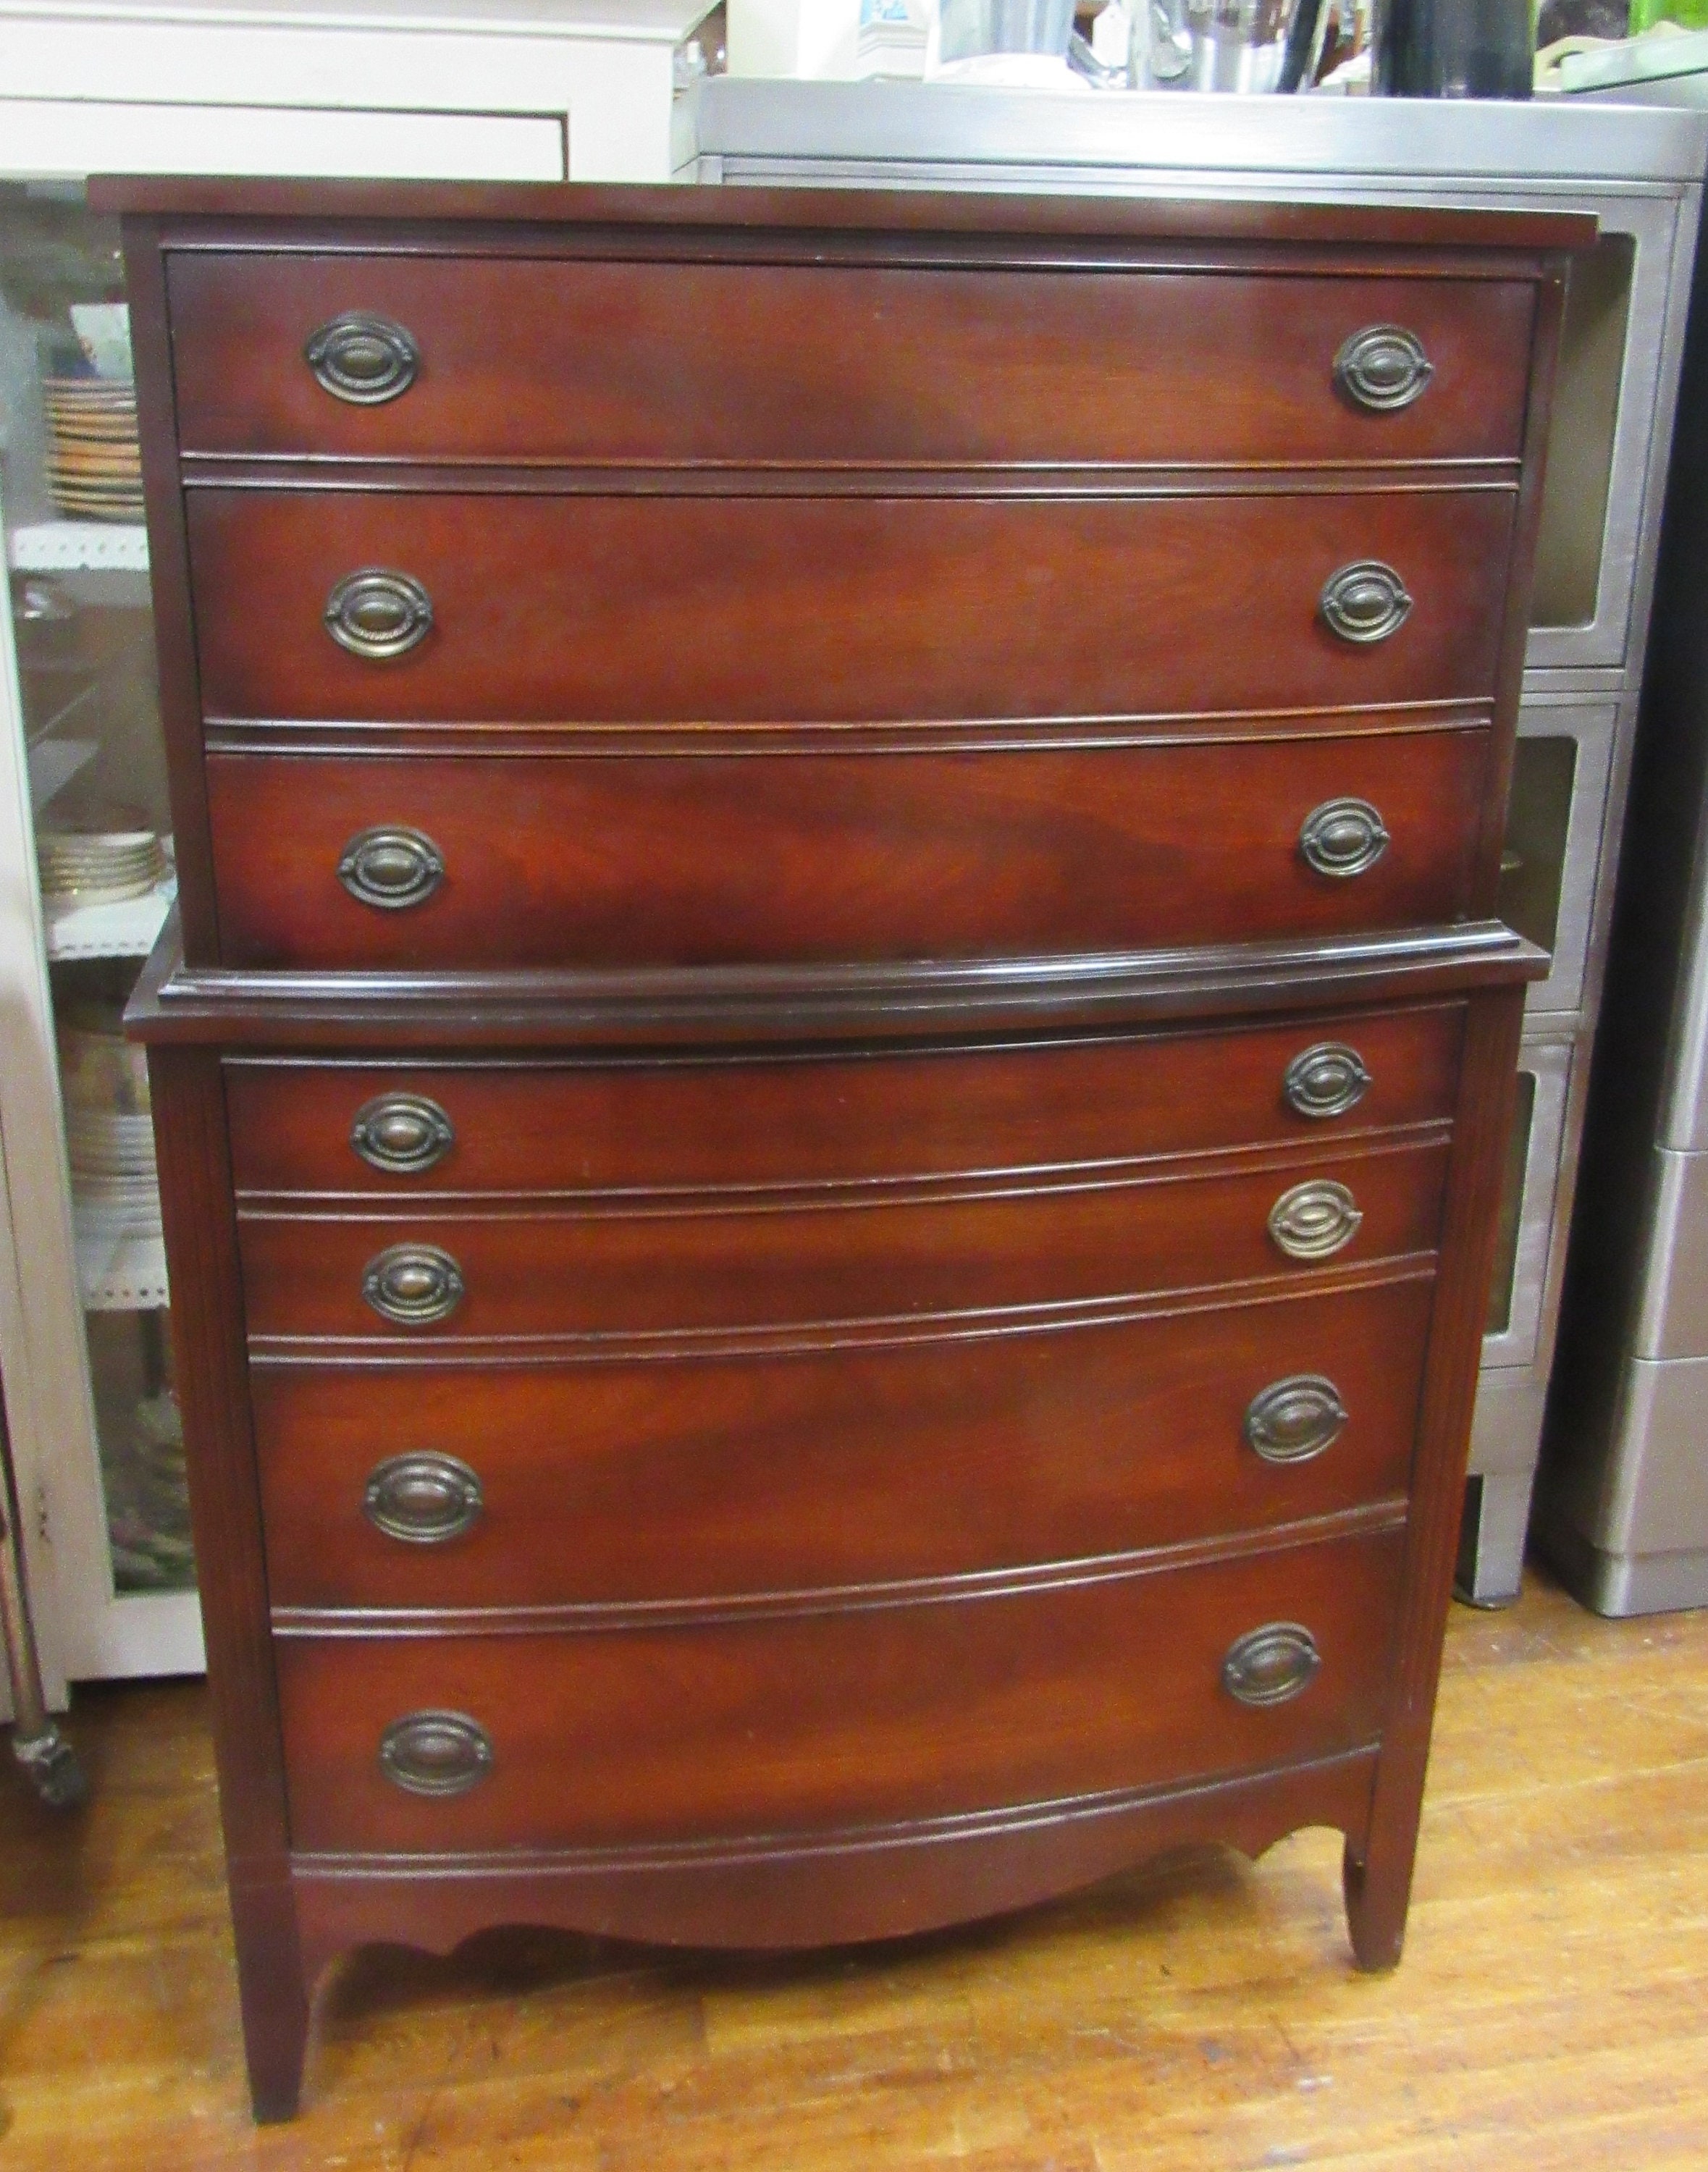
(320, 1624)
(908, 1000)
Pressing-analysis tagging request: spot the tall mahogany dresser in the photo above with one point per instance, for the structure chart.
(832, 1079)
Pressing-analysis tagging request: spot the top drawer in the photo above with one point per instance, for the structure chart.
(644, 363)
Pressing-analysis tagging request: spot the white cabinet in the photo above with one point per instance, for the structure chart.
(532, 90)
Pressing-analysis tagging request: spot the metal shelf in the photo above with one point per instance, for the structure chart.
(118, 1271)
(127, 929)
(58, 547)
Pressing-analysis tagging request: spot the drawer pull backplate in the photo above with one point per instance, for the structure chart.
(1325, 1080)
(425, 1498)
(1314, 1220)
(378, 614)
(402, 1134)
(1364, 602)
(1270, 1665)
(436, 1753)
(415, 1285)
(1292, 1419)
(1383, 368)
(1343, 838)
(363, 358)
(391, 869)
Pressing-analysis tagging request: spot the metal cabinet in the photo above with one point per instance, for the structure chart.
(1640, 173)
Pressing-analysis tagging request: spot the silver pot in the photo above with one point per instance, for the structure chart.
(968, 28)
(1242, 45)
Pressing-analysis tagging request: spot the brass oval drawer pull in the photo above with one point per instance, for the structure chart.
(436, 1753)
(378, 614)
(424, 1498)
(1314, 1220)
(391, 867)
(1364, 602)
(415, 1285)
(402, 1134)
(1325, 1080)
(1294, 1420)
(1343, 838)
(1270, 1665)
(1383, 368)
(362, 357)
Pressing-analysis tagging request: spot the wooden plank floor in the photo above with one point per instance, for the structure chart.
(1551, 2011)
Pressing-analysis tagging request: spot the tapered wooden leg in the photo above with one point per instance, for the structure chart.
(274, 1996)
(1378, 1888)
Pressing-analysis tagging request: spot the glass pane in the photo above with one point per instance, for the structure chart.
(1581, 433)
(1500, 1289)
(70, 489)
(1534, 863)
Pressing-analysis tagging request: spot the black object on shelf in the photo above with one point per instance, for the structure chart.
(1451, 49)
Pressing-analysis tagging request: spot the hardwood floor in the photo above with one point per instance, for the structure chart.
(1551, 2010)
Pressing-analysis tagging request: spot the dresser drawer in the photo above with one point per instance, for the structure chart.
(436, 1486)
(638, 362)
(757, 1725)
(724, 1120)
(729, 1263)
(849, 609)
(674, 860)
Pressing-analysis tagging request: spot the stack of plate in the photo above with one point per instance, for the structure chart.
(109, 1134)
(99, 867)
(95, 466)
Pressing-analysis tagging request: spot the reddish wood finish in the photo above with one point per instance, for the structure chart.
(675, 860)
(826, 1720)
(717, 1265)
(843, 608)
(613, 1482)
(837, 1118)
(635, 363)
(859, 1415)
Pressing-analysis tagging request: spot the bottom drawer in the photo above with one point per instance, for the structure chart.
(742, 1722)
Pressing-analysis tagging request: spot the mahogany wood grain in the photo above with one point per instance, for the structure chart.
(874, 1885)
(840, 1718)
(369, 211)
(212, 1393)
(850, 607)
(607, 1483)
(1378, 1879)
(728, 1120)
(718, 1263)
(637, 362)
(684, 862)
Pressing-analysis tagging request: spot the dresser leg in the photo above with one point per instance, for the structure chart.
(275, 2000)
(1377, 1886)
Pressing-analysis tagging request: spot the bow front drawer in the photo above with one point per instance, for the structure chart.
(396, 356)
(532, 606)
(681, 859)
(754, 1726)
(727, 1262)
(423, 1487)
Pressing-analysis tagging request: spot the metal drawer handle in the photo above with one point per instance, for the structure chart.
(1364, 602)
(378, 614)
(402, 1134)
(1270, 1665)
(1294, 1420)
(363, 358)
(1343, 838)
(415, 1285)
(391, 867)
(1325, 1080)
(1314, 1220)
(424, 1498)
(436, 1753)
(1383, 368)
